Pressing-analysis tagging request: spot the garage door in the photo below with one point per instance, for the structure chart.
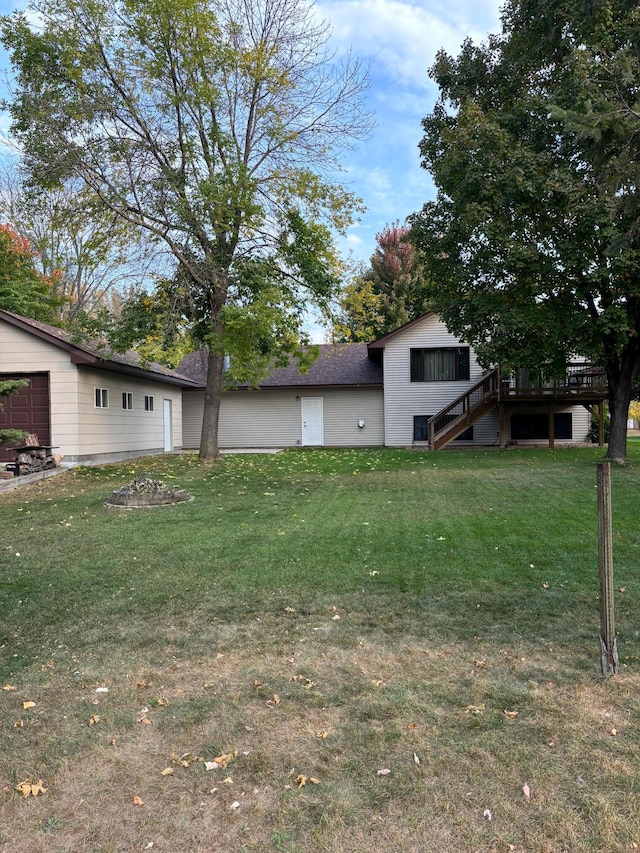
(27, 410)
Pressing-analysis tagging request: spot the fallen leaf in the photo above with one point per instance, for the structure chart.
(168, 771)
(273, 702)
(384, 771)
(301, 780)
(9, 687)
(144, 685)
(138, 801)
(410, 726)
(145, 721)
(480, 664)
(313, 780)
(19, 724)
(476, 710)
(510, 714)
(416, 760)
(622, 589)
(487, 814)
(545, 585)
(27, 705)
(526, 791)
(336, 617)
(163, 703)
(289, 610)
(234, 805)
(322, 734)
(93, 719)
(257, 685)
(222, 760)
(227, 781)
(27, 789)
(102, 689)
(613, 732)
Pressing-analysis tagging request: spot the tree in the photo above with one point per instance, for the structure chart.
(86, 250)
(8, 387)
(388, 294)
(211, 124)
(534, 238)
(23, 289)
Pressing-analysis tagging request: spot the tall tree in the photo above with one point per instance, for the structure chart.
(23, 289)
(534, 238)
(386, 295)
(91, 251)
(211, 124)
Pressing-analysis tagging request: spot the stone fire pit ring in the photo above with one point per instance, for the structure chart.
(145, 493)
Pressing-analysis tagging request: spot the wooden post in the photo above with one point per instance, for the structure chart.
(608, 649)
(552, 428)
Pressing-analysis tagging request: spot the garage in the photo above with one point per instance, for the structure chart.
(27, 410)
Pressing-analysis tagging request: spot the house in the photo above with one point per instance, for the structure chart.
(91, 405)
(417, 386)
(338, 403)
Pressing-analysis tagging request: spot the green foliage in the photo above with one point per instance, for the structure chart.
(23, 290)
(8, 387)
(210, 125)
(533, 242)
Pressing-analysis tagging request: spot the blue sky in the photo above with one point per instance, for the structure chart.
(399, 40)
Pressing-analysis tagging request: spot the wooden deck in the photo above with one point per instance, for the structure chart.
(583, 384)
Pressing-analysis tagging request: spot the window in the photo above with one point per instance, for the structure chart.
(127, 400)
(421, 429)
(536, 426)
(148, 403)
(444, 364)
(101, 398)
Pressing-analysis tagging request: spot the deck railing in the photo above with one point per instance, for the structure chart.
(461, 409)
(579, 379)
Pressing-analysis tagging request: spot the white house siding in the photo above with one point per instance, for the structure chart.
(117, 433)
(21, 352)
(273, 418)
(404, 399)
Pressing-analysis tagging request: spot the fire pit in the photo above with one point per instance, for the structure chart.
(145, 492)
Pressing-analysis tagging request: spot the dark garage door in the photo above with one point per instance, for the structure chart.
(27, 410)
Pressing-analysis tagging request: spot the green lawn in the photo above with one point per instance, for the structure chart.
(329, 616)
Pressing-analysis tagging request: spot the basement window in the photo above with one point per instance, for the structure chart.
(101, 398)
(127, 400)
(148, 403)
(421, 429)
(536, 426)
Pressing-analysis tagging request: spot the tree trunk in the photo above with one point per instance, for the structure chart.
(620, 379)
(213, 390)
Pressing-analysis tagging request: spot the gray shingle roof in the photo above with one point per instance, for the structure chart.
(338, 365)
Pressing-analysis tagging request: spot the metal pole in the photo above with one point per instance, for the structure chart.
(608, 649)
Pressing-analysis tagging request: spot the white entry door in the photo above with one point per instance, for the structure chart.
(312, 429)
(168, 438)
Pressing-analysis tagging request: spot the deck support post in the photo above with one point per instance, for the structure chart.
(608, 648)
(552, 430)
(601, 423)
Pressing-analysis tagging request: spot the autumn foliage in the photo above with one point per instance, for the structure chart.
(23, 290)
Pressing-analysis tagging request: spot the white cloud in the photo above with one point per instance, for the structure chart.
(405, 37)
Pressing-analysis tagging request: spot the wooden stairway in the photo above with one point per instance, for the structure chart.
(468, 408)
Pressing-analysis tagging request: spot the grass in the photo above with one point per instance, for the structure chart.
(326, 615)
